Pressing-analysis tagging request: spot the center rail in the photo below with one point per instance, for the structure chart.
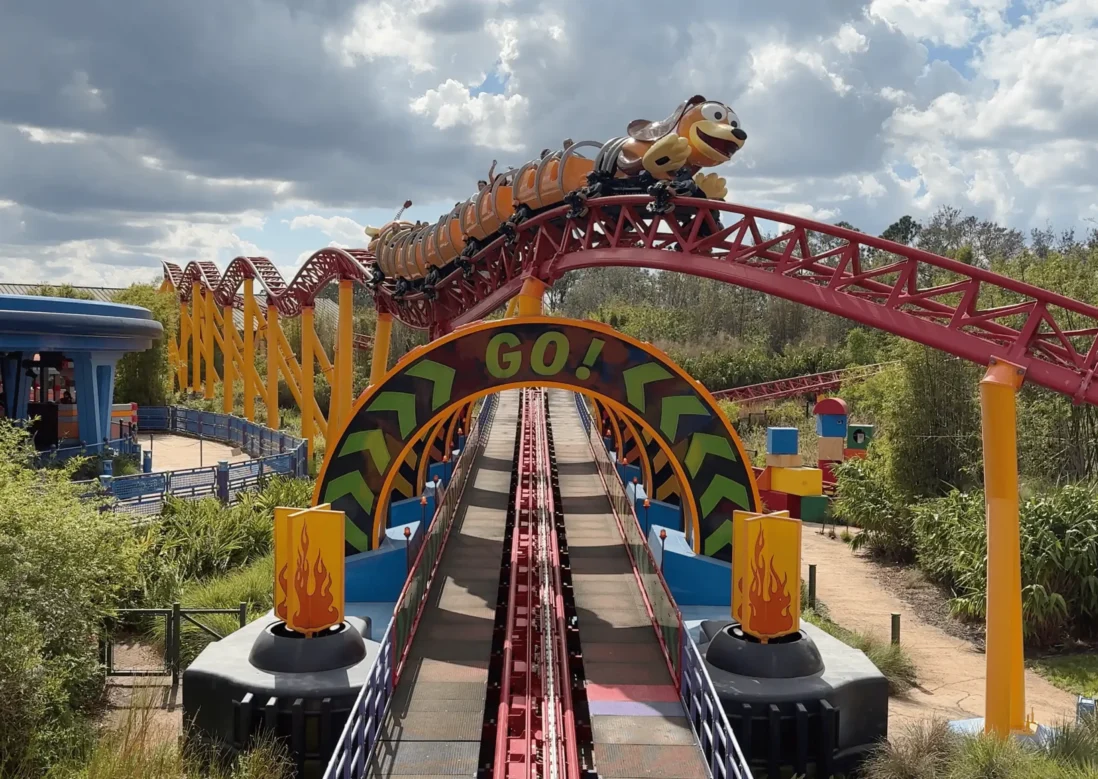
(535, 734)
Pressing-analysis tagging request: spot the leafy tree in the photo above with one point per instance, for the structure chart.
(145, 377)
(62, 291)
(904, 230)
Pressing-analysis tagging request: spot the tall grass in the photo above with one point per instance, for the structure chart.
(141, 749)
(930, 750)
(891, 659)
(253, 585)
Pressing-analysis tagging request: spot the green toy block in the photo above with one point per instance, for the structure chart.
(858, 436)
(813, 508)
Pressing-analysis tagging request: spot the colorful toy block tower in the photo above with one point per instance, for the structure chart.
(785, 484)
(832, 428)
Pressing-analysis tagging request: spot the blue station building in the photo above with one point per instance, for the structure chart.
(57, 363)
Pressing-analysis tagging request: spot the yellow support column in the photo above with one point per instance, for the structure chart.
(184, 342)
(512, 305)
(379, 356)
(196, 338)
(1005, 683)
(308, 396)
(344, 367)
(248, 358)
(529, 299)
(272, 366)
(208, 343)
(228, 351)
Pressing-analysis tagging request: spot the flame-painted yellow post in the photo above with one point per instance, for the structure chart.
(273, 329)
(308, 395)
(249, 351)
(1005, 683)
(228, 351)
(309, 572)
(211, 371)
(344, 355)
(766, 573)
(379, 358)
(196, 337)
(530, 298)
(184, 342)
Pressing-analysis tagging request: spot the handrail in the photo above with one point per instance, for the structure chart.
(359, 736)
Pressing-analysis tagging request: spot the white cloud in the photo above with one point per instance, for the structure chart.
(340, 228)
(493, 119)
(386, 30)
(849, 41)
(941, 22)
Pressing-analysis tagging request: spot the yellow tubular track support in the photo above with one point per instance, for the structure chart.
(379, 358)
(273, 329)
(249, 351)
(208, 343)
(529, 299)
(228, 349)
(1005, 683)
(307, 393)
(196, 338)
(184, 342)
(291, 372)
(512, 305)
(344, 356)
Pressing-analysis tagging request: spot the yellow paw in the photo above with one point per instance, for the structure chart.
(714, 187)
(666, 155)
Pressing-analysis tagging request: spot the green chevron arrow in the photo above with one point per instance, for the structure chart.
(718, 538)
(723, 487)
(637, 377)
(404, 403)
(702, 444)
(352, 484)
(674, 407)
(442, 376)
(372, 441)
(354, 536)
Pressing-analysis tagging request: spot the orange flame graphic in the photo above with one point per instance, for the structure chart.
(770, 614)
(316, 609)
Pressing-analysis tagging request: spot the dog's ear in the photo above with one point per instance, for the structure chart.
(644, 130)
(372, 232)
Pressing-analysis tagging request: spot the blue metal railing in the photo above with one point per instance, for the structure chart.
(699, 697)
(359, 736)
(275, 452)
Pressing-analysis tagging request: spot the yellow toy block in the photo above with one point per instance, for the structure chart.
(783, 460)
(797, 481)
(831, 449)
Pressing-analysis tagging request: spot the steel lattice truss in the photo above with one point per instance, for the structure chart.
(799, 385)
(960, 309)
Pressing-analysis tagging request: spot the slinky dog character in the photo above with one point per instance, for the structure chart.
(699, 133)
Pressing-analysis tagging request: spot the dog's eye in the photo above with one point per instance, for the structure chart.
(714, 112)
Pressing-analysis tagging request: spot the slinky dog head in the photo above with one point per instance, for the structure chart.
(712, 128)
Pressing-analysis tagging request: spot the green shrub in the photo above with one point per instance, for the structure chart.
(865, 497)
(145, 377)
(1059, 535)
(64, 567)
(930, 750)
(252, 584)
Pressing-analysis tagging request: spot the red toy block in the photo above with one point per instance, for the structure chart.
(827, 466)
(781, 501)
(852, 453)
(763, 479)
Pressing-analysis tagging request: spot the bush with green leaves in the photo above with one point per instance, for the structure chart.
(64, 567)
(145, 377)
(866, 497)
(1059, 532)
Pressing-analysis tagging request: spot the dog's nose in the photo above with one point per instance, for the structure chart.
(739, 134)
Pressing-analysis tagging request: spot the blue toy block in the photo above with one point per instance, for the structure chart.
(781, 440)
(831, 426)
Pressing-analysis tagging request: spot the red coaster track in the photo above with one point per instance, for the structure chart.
(963, 310)
(808, 384)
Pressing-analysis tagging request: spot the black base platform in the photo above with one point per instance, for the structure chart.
(807, 702)
(238, 686)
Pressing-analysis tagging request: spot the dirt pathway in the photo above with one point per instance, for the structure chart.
(950, 670)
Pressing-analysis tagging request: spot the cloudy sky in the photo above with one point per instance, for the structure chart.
(132, 130)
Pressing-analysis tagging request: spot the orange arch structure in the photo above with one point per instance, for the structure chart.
(633, 378)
